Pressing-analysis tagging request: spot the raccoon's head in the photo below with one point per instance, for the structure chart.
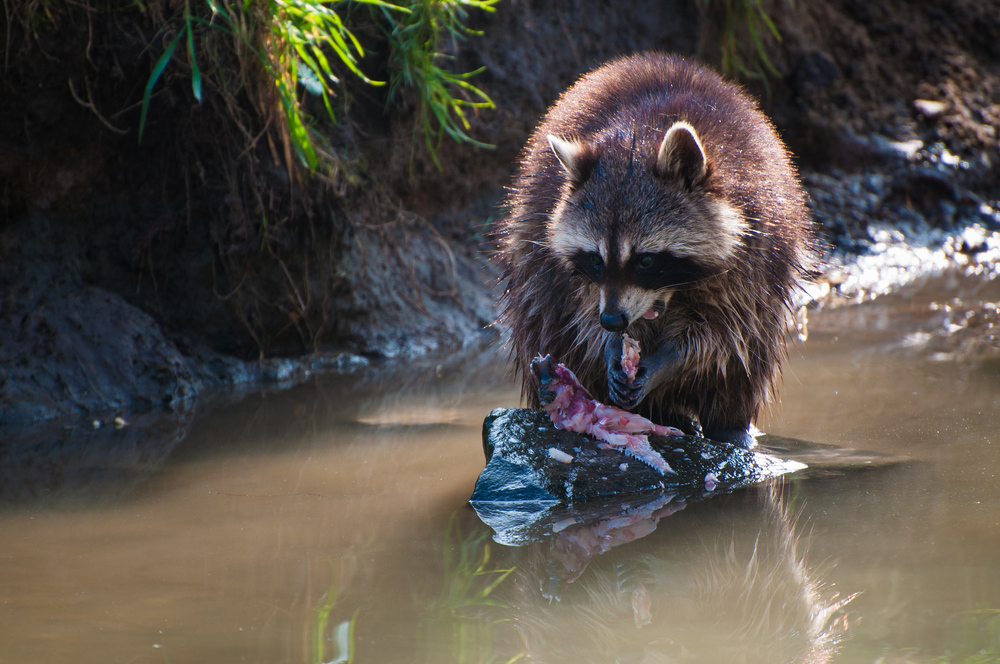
(639, 216)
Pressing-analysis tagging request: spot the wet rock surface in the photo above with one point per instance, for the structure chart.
(536, 472)
(911, 218)
(529, 492)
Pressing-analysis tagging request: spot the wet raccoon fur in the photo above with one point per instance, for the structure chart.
(656, 198)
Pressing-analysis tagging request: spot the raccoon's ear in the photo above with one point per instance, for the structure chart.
(681, 156)
(574, 157)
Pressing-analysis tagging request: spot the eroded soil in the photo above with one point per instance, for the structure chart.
(147, 260)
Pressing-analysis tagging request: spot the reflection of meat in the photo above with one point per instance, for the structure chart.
(630, 357)
(576, 545)
(572, 408)
(642, 606)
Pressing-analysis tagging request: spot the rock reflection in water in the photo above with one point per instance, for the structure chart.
(729, 583)
(575, 544)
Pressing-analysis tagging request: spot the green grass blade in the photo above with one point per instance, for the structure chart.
(195, 74)
(769, 23)
(350, 635)
(296, 128)
(213, 25)
(385, 5)
(161, 64)
(761, 52)
(324, 65)
(307, 59)
(502, 576)
(329, 108)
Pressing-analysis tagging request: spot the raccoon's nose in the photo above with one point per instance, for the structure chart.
(614, 322)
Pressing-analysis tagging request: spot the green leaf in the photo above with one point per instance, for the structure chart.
(161, 64)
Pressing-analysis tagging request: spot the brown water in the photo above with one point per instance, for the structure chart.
(330, 521)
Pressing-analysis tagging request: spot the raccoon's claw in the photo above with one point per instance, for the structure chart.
(623, 393)
(651, 372)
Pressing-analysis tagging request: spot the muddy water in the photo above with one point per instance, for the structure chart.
(329, 523)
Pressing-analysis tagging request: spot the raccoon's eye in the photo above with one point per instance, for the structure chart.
(590, 265)
(664, 270)
(596, 267)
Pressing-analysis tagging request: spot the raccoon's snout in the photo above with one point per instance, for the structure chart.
(618, 319)
(614, 321)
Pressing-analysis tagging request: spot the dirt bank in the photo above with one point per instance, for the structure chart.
(134, 275)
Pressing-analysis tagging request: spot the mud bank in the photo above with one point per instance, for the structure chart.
(134, 277)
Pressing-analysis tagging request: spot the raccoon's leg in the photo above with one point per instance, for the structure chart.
(727, 412)
(653, 370)
(740, 437)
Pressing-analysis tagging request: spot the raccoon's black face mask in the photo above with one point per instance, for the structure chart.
(640, 226)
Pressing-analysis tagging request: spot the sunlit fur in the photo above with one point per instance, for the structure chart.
(658, 154)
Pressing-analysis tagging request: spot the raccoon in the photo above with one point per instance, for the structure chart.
(655, 198)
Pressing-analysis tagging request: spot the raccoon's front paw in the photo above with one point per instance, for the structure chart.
(622, 392)
(651, 372)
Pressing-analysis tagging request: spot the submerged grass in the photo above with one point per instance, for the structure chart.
(458, 622)
(979, 641)
(464, 614)
(339, 636)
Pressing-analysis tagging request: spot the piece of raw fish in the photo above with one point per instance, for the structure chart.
(572, 408)
(630, 357)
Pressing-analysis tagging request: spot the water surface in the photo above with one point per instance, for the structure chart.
(330, 521)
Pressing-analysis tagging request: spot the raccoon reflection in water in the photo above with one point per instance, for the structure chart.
(631, 591)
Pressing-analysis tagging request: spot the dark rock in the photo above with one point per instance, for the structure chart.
(83, 350)
(68, 350)
(525, 487)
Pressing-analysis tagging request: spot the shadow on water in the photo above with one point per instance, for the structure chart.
(86, 461)
(83, 461)
(424, 394)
